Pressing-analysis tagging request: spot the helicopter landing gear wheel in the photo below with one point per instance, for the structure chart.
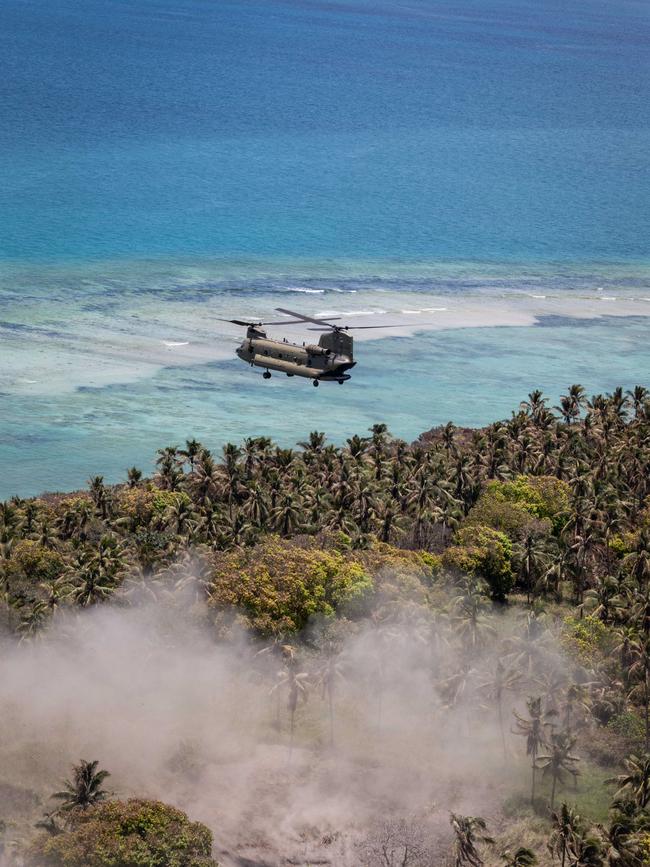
(341, 381)
(267, 374)
(315, 383)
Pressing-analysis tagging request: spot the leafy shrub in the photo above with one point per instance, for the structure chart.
(485, 553)
(134, 833)
(399, 577)
(621, 544)
(140, 504)
(280, 585)
(509, 506)
(32, 563)
(68, 504)
(164, 500)
(493, 511)
(585, 637)
(381, 555)
(628, 725)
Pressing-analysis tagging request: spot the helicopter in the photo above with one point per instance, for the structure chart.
(327, 361)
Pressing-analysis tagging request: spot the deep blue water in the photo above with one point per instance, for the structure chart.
(166, 162)
(473, 129)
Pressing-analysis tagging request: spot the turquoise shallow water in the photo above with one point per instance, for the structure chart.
(125, 391)
(166, 162)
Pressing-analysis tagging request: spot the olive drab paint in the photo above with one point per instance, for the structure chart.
(326, 361)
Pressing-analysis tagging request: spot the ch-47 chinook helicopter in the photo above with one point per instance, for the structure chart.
(327, 361)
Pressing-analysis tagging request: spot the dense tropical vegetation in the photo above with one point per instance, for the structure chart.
(544, 516)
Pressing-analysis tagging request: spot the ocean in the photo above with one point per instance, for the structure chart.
(475, 173)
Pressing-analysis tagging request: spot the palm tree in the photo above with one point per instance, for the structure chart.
(638, 560)
(134, 477)
(576, 399)
(635, 782)
(85, 788)
(190, 453)
(531, 555)
(565, 823)
(529, 649)
(447, 436)
(469, 833)
(559, 761)
(99, 494)
(494, 688)
(638, 398)
(533, 730)
(315, 443)
(604, 599)
(181, 516)
(169, 474)
(256, 507)
(469, 619)
(89, 583)
(535, 406)
(328, 675)
(567, 409)
(32, 618)
(553, 683)
(31, 514)
(577, 698)
(572, 842)
(295, 682)
(639, 649)
(622, 840)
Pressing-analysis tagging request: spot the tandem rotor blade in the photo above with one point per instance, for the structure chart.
(246, 324)
(236, 321)
(308, 318)
(357, 327)
(284, 322)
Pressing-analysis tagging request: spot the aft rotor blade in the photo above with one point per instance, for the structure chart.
(394, 325)
(357, 327)
(284, 322)
(308, 318)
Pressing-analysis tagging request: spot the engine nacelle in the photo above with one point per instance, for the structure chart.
(337, 342)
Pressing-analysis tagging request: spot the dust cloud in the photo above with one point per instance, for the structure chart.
(395, 725)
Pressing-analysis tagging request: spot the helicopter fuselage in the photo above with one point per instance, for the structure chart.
(329, 360)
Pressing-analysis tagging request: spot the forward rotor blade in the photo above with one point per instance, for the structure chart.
(236, 321)
(307, 318)
(246, 324)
